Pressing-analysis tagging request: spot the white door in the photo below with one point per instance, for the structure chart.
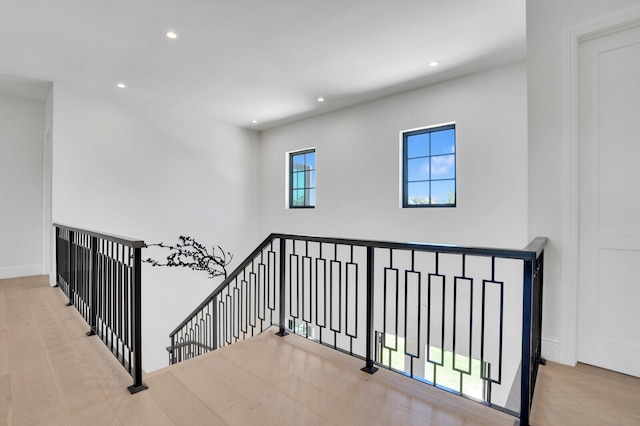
(609, 229)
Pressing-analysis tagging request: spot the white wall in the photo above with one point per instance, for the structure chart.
(146, 173)
(358, 176)
(22, 124)
(357, 151)
(549, 154)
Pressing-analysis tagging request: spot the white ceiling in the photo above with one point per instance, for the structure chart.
(267, 60)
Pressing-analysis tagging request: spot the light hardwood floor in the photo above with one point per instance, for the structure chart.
(52, 374)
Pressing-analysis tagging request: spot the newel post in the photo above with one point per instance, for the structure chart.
(369, 367)
(525, 378)
(172, 355)
(57, 243)
(136, 305)
(283, 248)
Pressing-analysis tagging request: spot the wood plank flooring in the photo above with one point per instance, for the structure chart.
(585, 395)
(52, 374)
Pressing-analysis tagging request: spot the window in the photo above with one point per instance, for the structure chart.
(302, 179)
(429, 167)
(456, 373)
(303, 329)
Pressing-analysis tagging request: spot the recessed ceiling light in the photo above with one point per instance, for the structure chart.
(434, 64)
(254, 121)
(121, 85)
(320, 99)
(171, 34)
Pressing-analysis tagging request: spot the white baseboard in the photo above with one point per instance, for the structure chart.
(53, 279)
(20, 271)
(551, 348)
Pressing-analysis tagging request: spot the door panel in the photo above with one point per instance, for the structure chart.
(609, 258)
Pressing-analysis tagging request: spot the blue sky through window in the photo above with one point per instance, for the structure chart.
(443, 142)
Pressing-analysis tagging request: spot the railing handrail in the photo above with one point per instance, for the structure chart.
(530, 252)
(187, 343)
(83, 283)
(537, 245)
(242, 305)
(125, 241)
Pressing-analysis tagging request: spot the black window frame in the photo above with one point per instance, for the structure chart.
(292, 171)
(405, 166)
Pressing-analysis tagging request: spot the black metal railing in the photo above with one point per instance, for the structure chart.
(464, 319)
(101, 276)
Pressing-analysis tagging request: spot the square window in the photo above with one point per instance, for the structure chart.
(429, 167)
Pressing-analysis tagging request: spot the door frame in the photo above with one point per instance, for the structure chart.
(48, 239)
(573, 38)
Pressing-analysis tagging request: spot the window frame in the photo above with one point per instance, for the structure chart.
(404, 166)
(290, 178)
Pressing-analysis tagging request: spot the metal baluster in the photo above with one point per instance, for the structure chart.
(72, 268)
(93, 288)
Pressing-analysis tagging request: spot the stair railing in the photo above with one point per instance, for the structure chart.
(101, 276)
(463, 319)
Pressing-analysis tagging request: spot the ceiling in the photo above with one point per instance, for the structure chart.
(265, 60)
